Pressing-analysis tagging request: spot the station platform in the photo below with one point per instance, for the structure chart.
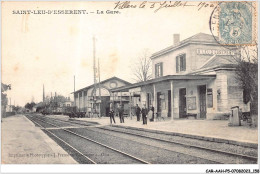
(23, 143)
(212, 130)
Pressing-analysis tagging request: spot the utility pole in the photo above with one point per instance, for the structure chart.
(43, 94)
(99, 88)
(95, 79)
(74, 93)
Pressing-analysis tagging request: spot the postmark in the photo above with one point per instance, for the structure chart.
(236, 23)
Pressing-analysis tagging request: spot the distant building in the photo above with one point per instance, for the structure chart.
(34, 108)
(87, 99)
(67, 104)
(195, 76)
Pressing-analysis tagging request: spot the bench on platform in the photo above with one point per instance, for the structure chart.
(191, 115)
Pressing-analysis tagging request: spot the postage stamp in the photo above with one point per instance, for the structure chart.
(237, 23)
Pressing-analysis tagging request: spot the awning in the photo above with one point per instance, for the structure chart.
(165, 78)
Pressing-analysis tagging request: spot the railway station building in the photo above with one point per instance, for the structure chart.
(193, 77)
(87, 99)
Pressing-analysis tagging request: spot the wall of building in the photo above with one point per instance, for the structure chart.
(192, 91)
(197, 59)
(194, 60)
(235, 92)
(82, 98)
(169, 61)
(226, 93)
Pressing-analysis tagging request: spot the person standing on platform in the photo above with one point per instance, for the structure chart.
(152, 109)
(138, 111)
(121, 114)
(111, 115)
(144, 114)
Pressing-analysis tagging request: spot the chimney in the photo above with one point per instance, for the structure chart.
(176, 39)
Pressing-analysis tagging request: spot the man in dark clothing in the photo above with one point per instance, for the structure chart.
(152, 109)
(111, 115)
(138, 110)
(121, 114)
(144, 114)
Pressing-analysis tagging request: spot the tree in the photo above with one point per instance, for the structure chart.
(247, 75)
(142, 69)
(16, 108)
(4, 87)
(30, 105)
(4, 100)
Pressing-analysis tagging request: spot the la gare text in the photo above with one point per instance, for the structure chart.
(78, 12)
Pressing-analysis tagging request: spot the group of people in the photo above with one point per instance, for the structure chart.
(144, 112)
(121, 115)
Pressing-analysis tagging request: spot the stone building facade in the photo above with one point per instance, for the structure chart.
(195, 77)
(86, 102)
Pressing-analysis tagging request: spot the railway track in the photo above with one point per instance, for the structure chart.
(252, 159)
(88, 160)
(176, 152)
(126, 155)
(187, 156)
(75, 122)
(64, 121)
(249, 157)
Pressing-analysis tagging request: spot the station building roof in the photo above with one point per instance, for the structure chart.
(201, 38)
(164, 78)
(219, 60)
(104, 81)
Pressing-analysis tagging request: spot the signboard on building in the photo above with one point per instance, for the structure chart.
(191, 103)
(215, 52)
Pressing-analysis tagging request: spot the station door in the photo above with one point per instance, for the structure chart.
(202, 97)
(182, 103)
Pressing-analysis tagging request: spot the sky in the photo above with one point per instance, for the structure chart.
(50, 49)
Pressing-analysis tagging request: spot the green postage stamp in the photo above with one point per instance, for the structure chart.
(237, 23)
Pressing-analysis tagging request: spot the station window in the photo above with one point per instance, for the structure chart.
(209, 98)
(158, 69)
(181, 63)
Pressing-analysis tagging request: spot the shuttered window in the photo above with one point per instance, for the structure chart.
(181, 63)
(209, 98)
(159, 69)
(177, 64)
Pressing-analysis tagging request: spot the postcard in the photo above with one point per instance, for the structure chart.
(130, 82)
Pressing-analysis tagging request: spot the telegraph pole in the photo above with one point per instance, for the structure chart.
(94, 70)
(99, 88)
(74, 93)
(43, 94)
